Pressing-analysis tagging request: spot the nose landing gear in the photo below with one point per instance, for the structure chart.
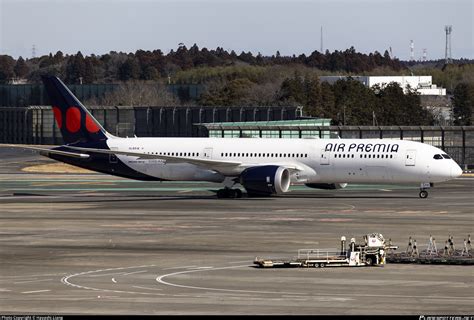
(423, 193)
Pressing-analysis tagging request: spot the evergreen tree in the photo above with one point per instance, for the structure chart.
(129, 70)
(463, 104)
(21, 68)
(7, 64)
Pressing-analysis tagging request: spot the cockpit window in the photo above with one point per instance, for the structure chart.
(446, 156)
(437, 157)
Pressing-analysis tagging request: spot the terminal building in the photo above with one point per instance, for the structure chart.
(422, 84)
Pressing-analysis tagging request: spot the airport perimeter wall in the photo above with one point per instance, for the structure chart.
(36, 125)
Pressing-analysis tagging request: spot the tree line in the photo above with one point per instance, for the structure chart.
(155, 65)
(247, 79)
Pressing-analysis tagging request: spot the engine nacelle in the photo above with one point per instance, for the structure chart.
(326, 186)
(265, 180)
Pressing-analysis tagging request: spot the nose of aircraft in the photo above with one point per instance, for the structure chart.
(456, 170)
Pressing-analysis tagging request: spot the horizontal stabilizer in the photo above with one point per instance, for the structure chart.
(46, 152)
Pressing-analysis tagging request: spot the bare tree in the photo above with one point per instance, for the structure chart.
(137, 93)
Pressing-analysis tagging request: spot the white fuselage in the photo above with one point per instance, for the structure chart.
(317, 160)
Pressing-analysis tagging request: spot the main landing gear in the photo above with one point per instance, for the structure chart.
(423, 193)
(229, 193)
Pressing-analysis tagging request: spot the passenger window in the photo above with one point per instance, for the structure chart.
(437, 157)
(446, 156)
(391, 156)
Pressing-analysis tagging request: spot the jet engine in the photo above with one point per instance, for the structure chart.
(326, 186)
(265, 180)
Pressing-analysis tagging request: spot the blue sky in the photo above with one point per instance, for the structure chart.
(265, 26)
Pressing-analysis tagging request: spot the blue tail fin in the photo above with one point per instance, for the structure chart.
(76, 123)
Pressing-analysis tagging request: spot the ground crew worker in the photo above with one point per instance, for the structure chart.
(430, 244)
(465, 248)
(446, 248)
(434, 246)
(415, 250)
(451, 241)
(409, 248)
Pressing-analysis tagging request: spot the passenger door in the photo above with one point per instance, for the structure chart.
(410, 158)
(207, 153)
(324, 160)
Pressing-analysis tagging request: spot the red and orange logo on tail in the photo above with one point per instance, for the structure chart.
(73, 120)
(91, 126)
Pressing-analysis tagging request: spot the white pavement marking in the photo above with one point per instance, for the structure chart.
(113, 280)
(344, 296)
(160, 280)
(65, 280)
(37, 291)
(28, 281)
(146, 288)
(4, 290)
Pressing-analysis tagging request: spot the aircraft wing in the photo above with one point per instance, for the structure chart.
(197, 161)
(46, 152)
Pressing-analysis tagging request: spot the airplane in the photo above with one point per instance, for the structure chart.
(263, 167)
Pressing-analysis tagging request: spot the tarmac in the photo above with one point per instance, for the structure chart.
(87, 243)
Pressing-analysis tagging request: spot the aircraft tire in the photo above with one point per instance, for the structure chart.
(423, 194)
(238, 193)
(221, 193)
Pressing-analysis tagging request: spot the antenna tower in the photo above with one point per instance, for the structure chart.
(447, 51)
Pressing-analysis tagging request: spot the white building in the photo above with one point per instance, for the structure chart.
(422, 84)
